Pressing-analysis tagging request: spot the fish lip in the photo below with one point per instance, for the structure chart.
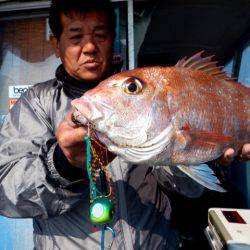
(88, 114)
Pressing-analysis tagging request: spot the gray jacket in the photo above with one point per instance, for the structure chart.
(34, 182)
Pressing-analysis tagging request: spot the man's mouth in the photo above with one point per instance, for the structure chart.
(91, 64)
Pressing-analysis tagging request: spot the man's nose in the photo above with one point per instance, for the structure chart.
(89, 45)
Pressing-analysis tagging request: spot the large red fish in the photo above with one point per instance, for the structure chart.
(180, 116)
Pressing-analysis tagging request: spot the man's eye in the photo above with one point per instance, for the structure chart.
(100, 37)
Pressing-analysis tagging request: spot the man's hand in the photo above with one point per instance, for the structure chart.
(229, 154)
(70, 138)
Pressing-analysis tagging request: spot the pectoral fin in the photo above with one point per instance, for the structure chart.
(203, 175)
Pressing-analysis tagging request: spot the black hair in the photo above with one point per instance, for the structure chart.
(59, 7)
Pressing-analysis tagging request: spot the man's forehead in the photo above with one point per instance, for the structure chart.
(74, 21)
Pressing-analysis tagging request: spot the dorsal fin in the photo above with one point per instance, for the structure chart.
(204, 64)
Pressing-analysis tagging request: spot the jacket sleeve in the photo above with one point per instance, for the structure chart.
(175, 181)
(30, 183)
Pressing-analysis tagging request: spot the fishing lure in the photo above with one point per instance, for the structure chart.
(101, 207)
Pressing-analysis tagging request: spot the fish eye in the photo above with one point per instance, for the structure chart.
(132, 86)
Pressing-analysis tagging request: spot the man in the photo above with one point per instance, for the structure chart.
(42, 163)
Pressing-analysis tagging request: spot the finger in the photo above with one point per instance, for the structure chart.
(245, 153)
(76, 136)
(246, 149)
(229, 154)
(227, 157)
(68, 136)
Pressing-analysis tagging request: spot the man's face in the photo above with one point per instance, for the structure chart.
(85, 45)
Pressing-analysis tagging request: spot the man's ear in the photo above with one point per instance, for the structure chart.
(55, 43)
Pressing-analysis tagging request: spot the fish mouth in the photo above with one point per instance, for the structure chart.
(88, 111)
(79, 119)
(98, 134)
(91, 126)
(91, 115)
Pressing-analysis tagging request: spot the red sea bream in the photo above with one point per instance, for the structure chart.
(181, 116)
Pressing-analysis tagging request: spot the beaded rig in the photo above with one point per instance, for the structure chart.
(101, 207)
